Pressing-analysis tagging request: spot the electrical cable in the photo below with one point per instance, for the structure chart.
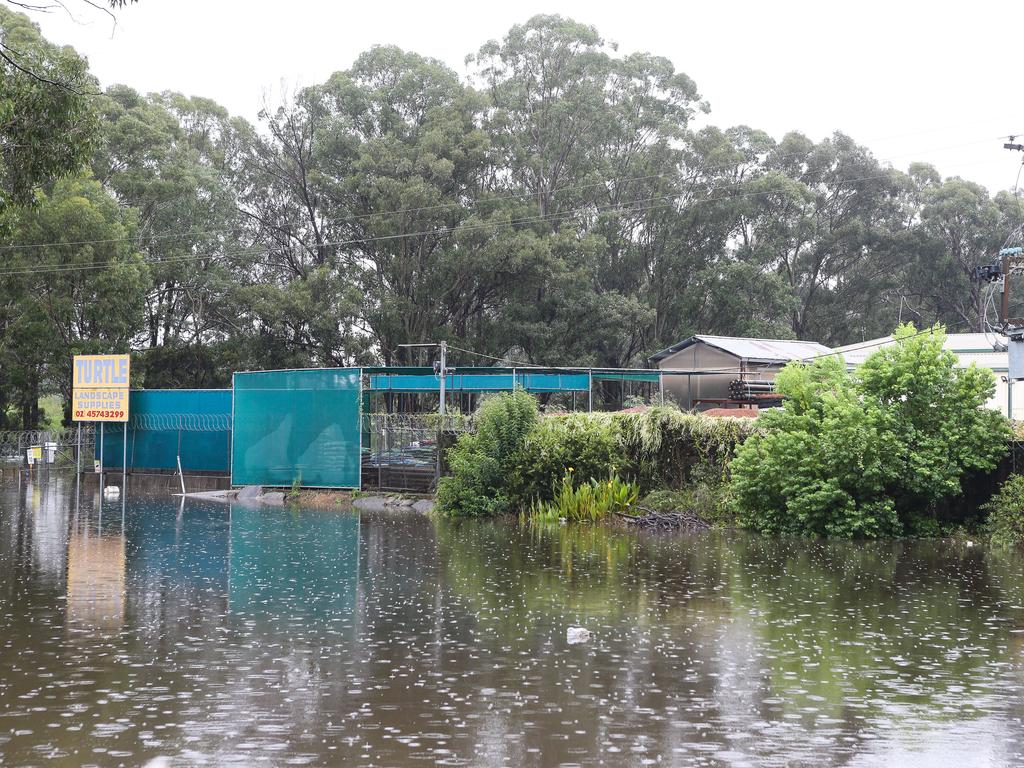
(878, 343)
(140, 239)
(588, 209)
(888, 340)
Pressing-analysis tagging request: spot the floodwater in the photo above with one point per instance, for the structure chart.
(154, 633)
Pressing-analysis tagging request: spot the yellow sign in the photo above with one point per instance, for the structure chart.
(100, 388)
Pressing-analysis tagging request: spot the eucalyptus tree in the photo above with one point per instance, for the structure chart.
(966, 228)
(170, 158)
(405, 175)
(597, 143)
(46, 121)
(77, 286)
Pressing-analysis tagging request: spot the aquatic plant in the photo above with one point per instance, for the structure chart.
(589, 501)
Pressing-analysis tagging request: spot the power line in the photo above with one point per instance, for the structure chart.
(140, 239)
(584, 368)
(354, 217)
(591, 209)
(888, 340)
(876, 343)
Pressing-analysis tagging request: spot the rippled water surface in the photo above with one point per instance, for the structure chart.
(202, 634)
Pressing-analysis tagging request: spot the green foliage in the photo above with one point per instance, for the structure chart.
(661, 447)
(858, 455)
(296, 488)
(1006, 513)
(589, 501)
(479, 460)
(47, 125)
(935, 410)
(51, 412)
(669, 448)
(90, 299)
(585, 445)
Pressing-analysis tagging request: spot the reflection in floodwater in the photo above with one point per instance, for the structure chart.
(283, 567)
(204, 634)
(96, 575)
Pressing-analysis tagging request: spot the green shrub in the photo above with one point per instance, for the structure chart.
(479, 461)
(852, 455)
(587, 502)
(586, 444)
(669, 448)
(1006, 513)
(662, 447)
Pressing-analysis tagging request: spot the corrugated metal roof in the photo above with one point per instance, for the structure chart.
(759, 350)
(968, 347)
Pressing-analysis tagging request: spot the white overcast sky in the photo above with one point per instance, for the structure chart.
(913, 81)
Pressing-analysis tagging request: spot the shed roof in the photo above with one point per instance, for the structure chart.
(756, 350)
(968, 347)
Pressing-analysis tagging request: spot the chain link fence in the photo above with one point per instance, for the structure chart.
(61, 444)
(400, 450)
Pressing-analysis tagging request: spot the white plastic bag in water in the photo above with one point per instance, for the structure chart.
(574, 635)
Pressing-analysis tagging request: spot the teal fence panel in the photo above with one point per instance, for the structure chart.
(166, 423)
(497, 382)
(296, 424)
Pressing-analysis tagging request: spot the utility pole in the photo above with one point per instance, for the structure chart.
(998, 275)
(441, 369)
(444, 374)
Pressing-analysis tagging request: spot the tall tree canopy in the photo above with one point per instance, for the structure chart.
(46, 123)
(558, 206)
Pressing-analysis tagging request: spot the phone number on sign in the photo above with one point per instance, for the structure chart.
(88, 414)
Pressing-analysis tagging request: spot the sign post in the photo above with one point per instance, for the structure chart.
(100, 393)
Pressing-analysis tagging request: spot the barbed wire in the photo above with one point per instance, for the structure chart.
(181, 422)
(13, 442)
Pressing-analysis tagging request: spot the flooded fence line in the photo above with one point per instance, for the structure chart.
(405, 451)
(43, 449)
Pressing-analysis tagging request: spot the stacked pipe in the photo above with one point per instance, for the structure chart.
(743, 389)
(755, 391)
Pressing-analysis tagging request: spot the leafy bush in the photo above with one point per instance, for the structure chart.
(587, 502)
(668, 448)
(1006, 513)
(586, 444)
(857, 455)
(658, 448)
(479, 461)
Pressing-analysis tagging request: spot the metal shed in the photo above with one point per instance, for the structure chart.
(713, 362)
